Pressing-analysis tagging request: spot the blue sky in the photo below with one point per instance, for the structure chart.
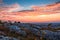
(29, 2)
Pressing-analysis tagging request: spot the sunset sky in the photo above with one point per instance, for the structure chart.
(30, 10)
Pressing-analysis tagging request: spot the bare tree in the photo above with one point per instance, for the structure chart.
(49, 25)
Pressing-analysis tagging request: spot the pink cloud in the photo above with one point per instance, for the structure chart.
(16, 7)
(1, 1)
(11, 8)
(48, 8)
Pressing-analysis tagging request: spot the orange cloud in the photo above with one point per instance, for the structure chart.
(49, 13)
